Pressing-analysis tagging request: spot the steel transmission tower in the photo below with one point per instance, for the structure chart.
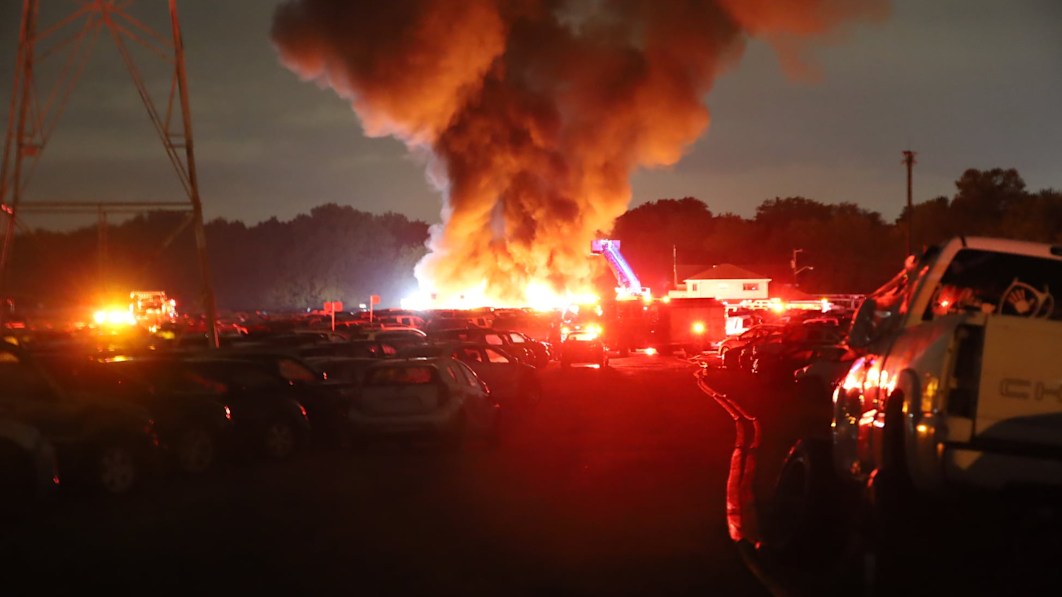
(33, 117)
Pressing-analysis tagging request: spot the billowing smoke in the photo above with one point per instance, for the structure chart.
(535, 112)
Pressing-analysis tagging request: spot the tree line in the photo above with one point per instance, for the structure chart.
(333, 253)
(839, 248)
(340, 253)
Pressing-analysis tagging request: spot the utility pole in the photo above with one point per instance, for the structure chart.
(36, 107)
(674, 266)
(909, 161)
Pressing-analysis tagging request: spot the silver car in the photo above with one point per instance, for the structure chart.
(438, 397)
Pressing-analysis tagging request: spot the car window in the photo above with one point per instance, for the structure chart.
(400, 376)
(191, 381)
(470, 354)
(453, 374)
(240, 374)
(496, 357)
(388, 349)
(292, 370)
(493, 339)
(517, 338)
(470, 376)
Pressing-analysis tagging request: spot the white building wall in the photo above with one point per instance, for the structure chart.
(724, 289)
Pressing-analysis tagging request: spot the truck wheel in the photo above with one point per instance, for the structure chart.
(890, 489)
(890, 520)
(805, 522)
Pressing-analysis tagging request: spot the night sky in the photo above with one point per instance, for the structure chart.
(965, 83)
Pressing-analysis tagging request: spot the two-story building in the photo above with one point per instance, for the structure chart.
(724, 282)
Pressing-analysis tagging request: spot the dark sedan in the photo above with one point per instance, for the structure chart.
(583, 347)
(326, 399)
(193, 430)
(265, 421)
(109, 448)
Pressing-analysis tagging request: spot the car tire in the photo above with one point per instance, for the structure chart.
(196, 451)
(115, 469)
(279, 439)
(806, 525)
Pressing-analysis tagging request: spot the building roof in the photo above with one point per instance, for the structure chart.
(726, 271)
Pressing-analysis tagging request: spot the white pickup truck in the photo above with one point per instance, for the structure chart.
(960, 379)
(956, 392)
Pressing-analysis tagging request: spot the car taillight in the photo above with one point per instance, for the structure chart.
(228, 413)
(302, 409)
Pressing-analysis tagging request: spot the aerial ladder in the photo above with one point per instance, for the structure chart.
(629, 285)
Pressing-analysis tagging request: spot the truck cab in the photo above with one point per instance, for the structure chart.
(959, 382)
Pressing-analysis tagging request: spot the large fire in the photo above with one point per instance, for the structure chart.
(535, 112)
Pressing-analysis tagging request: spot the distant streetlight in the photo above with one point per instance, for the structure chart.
(797, 270)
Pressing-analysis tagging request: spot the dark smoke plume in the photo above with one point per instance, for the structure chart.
(536, 112)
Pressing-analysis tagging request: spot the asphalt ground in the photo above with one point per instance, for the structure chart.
(615, 485)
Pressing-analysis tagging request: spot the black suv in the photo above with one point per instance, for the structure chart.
(105, 447)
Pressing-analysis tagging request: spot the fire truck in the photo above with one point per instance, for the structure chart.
(152, 308)
(634, 319)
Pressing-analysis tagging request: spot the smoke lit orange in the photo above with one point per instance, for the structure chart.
(536, 112)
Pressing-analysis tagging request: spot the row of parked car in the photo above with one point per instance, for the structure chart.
(74, 418)
(783, 352)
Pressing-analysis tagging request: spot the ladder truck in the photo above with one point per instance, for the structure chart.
(636, 320)
(629, 284)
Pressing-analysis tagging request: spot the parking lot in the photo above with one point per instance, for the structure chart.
(614, 484)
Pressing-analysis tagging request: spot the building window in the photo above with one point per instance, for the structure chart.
(693, 287)
(747, 286)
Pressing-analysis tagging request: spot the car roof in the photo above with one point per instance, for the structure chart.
(400, 361)
(578, 335)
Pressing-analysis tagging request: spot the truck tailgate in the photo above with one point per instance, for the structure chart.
(1020, 396)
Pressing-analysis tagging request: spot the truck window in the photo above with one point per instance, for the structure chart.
(1001, 283)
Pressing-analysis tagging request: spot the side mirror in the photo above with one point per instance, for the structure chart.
(863, 329)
